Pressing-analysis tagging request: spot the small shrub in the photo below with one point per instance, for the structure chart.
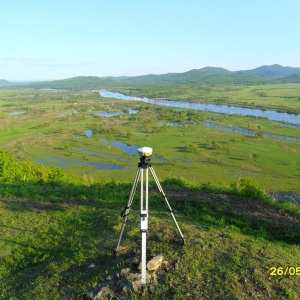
(194, 148)
(175, 181)
(249, 187)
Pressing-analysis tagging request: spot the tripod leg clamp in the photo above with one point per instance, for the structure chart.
(144, 221)
(123, 213)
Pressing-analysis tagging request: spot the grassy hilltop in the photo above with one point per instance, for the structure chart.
(60, 219)
(58, 230)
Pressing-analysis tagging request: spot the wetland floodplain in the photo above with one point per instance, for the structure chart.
(86, 133)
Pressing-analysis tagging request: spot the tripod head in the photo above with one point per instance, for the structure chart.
(145, 151)
(145, 156)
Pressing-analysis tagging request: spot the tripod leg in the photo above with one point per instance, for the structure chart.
(144, 226)
(126, 210)
(166, 201)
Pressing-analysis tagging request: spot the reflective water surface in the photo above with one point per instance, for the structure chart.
(114, 113)
(63, 161)
(269, 114)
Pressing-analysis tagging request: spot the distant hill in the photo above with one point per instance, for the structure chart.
(74, 83)
(4, 82)
(207, 75)
(233, 80)
(271, 72)
(192, 76)
(214, 75)
(295, 78)
(208, 71)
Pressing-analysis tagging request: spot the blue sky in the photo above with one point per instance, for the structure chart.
(43, 40)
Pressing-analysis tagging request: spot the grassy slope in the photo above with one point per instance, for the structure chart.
(57, 233)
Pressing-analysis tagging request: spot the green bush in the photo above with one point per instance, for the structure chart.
(12, 170)
(248, 187)
(175, 181)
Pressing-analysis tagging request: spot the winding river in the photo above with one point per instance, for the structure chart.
(225, 109)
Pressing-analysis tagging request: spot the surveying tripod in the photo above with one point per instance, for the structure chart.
(143, 166)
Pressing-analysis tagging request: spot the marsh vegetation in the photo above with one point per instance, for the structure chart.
(200, 145)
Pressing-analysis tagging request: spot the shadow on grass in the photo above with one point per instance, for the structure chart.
(251, 216)
(181, 149)
(58, 239)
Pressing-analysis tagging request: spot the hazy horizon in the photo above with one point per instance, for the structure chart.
(52, 79)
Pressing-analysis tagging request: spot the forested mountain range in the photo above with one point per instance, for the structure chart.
(211, 74)
(208, 75)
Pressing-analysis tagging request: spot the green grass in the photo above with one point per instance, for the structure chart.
(47, 246)
(57, 235)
